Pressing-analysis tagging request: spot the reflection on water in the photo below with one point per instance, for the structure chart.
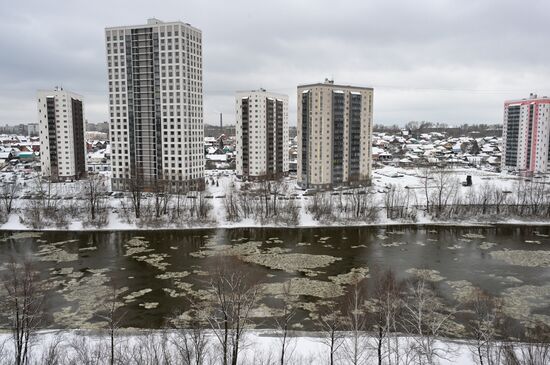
(154, 271)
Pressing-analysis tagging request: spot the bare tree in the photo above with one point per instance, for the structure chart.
(53, 353)
(425, 319)
(94, 193)
(234, 294)
(445, 188)
(331, 324)
(356, 344)
(136, 186)
(23, 305)
(231, 204)
(150, 348)
(8, 191)
(397, 203)
(483, 328)
(386, 310)
(161, 196)
(191, 341)
(499, 199)
(284, 321)
(85, 352)
(320, 206)
(200, 206)
(535, 349)
(113, 318)
(426, 175)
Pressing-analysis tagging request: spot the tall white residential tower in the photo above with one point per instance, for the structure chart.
(334, 135)
(61, 131)
(526, 135)
(262, 134)
(155, 105)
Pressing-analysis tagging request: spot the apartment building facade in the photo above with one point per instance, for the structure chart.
(156, 105)
(334, 128)
(61, 131)
(526, 135)
(262, 134)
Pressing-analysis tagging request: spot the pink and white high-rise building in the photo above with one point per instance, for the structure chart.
(526, 135)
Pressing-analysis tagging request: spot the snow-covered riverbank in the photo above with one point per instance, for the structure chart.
(410, 181)
(259, 346)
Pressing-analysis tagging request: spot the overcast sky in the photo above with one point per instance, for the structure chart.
(436, 60)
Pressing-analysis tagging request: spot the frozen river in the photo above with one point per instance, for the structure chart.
(154, 272)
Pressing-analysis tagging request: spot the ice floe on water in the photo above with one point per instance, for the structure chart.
(506, 279)
(426, 274)
(393, 244)
(473, 235)
(487, 245)
(133, 296)
(54, 251)
(523, 258)
(521, 301)
(291, 262)
(307, 287)
(87, 296)
(211, 249)
(22, 235)
(355, 275)
(89, 248)
(275, 258)
(149, 305)
(463, 290)
(173, 293)
(263, 311)
(137, 245)
(172, 275)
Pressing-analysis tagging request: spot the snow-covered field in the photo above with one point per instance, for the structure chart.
(259, 347)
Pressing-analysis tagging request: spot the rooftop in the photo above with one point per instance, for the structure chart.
(330, 83)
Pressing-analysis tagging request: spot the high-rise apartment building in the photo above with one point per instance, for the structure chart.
(33, 129)
(155, 105)
(334, 135)
(262, 134)
(526, 135)
(61, 126)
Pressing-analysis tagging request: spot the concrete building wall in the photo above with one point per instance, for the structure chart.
(334, 142)
(156, 104)
(262, 134)
(61, 131)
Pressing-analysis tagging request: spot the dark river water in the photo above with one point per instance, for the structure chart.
(154, 271)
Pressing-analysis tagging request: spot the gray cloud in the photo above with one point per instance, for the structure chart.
(439, 60)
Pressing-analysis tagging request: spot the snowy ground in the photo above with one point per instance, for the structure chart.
(260, 347)
(382, 178)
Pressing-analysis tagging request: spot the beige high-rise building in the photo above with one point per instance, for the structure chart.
(156, 109)
(61, 130)
(334, 135)
(262, 134)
